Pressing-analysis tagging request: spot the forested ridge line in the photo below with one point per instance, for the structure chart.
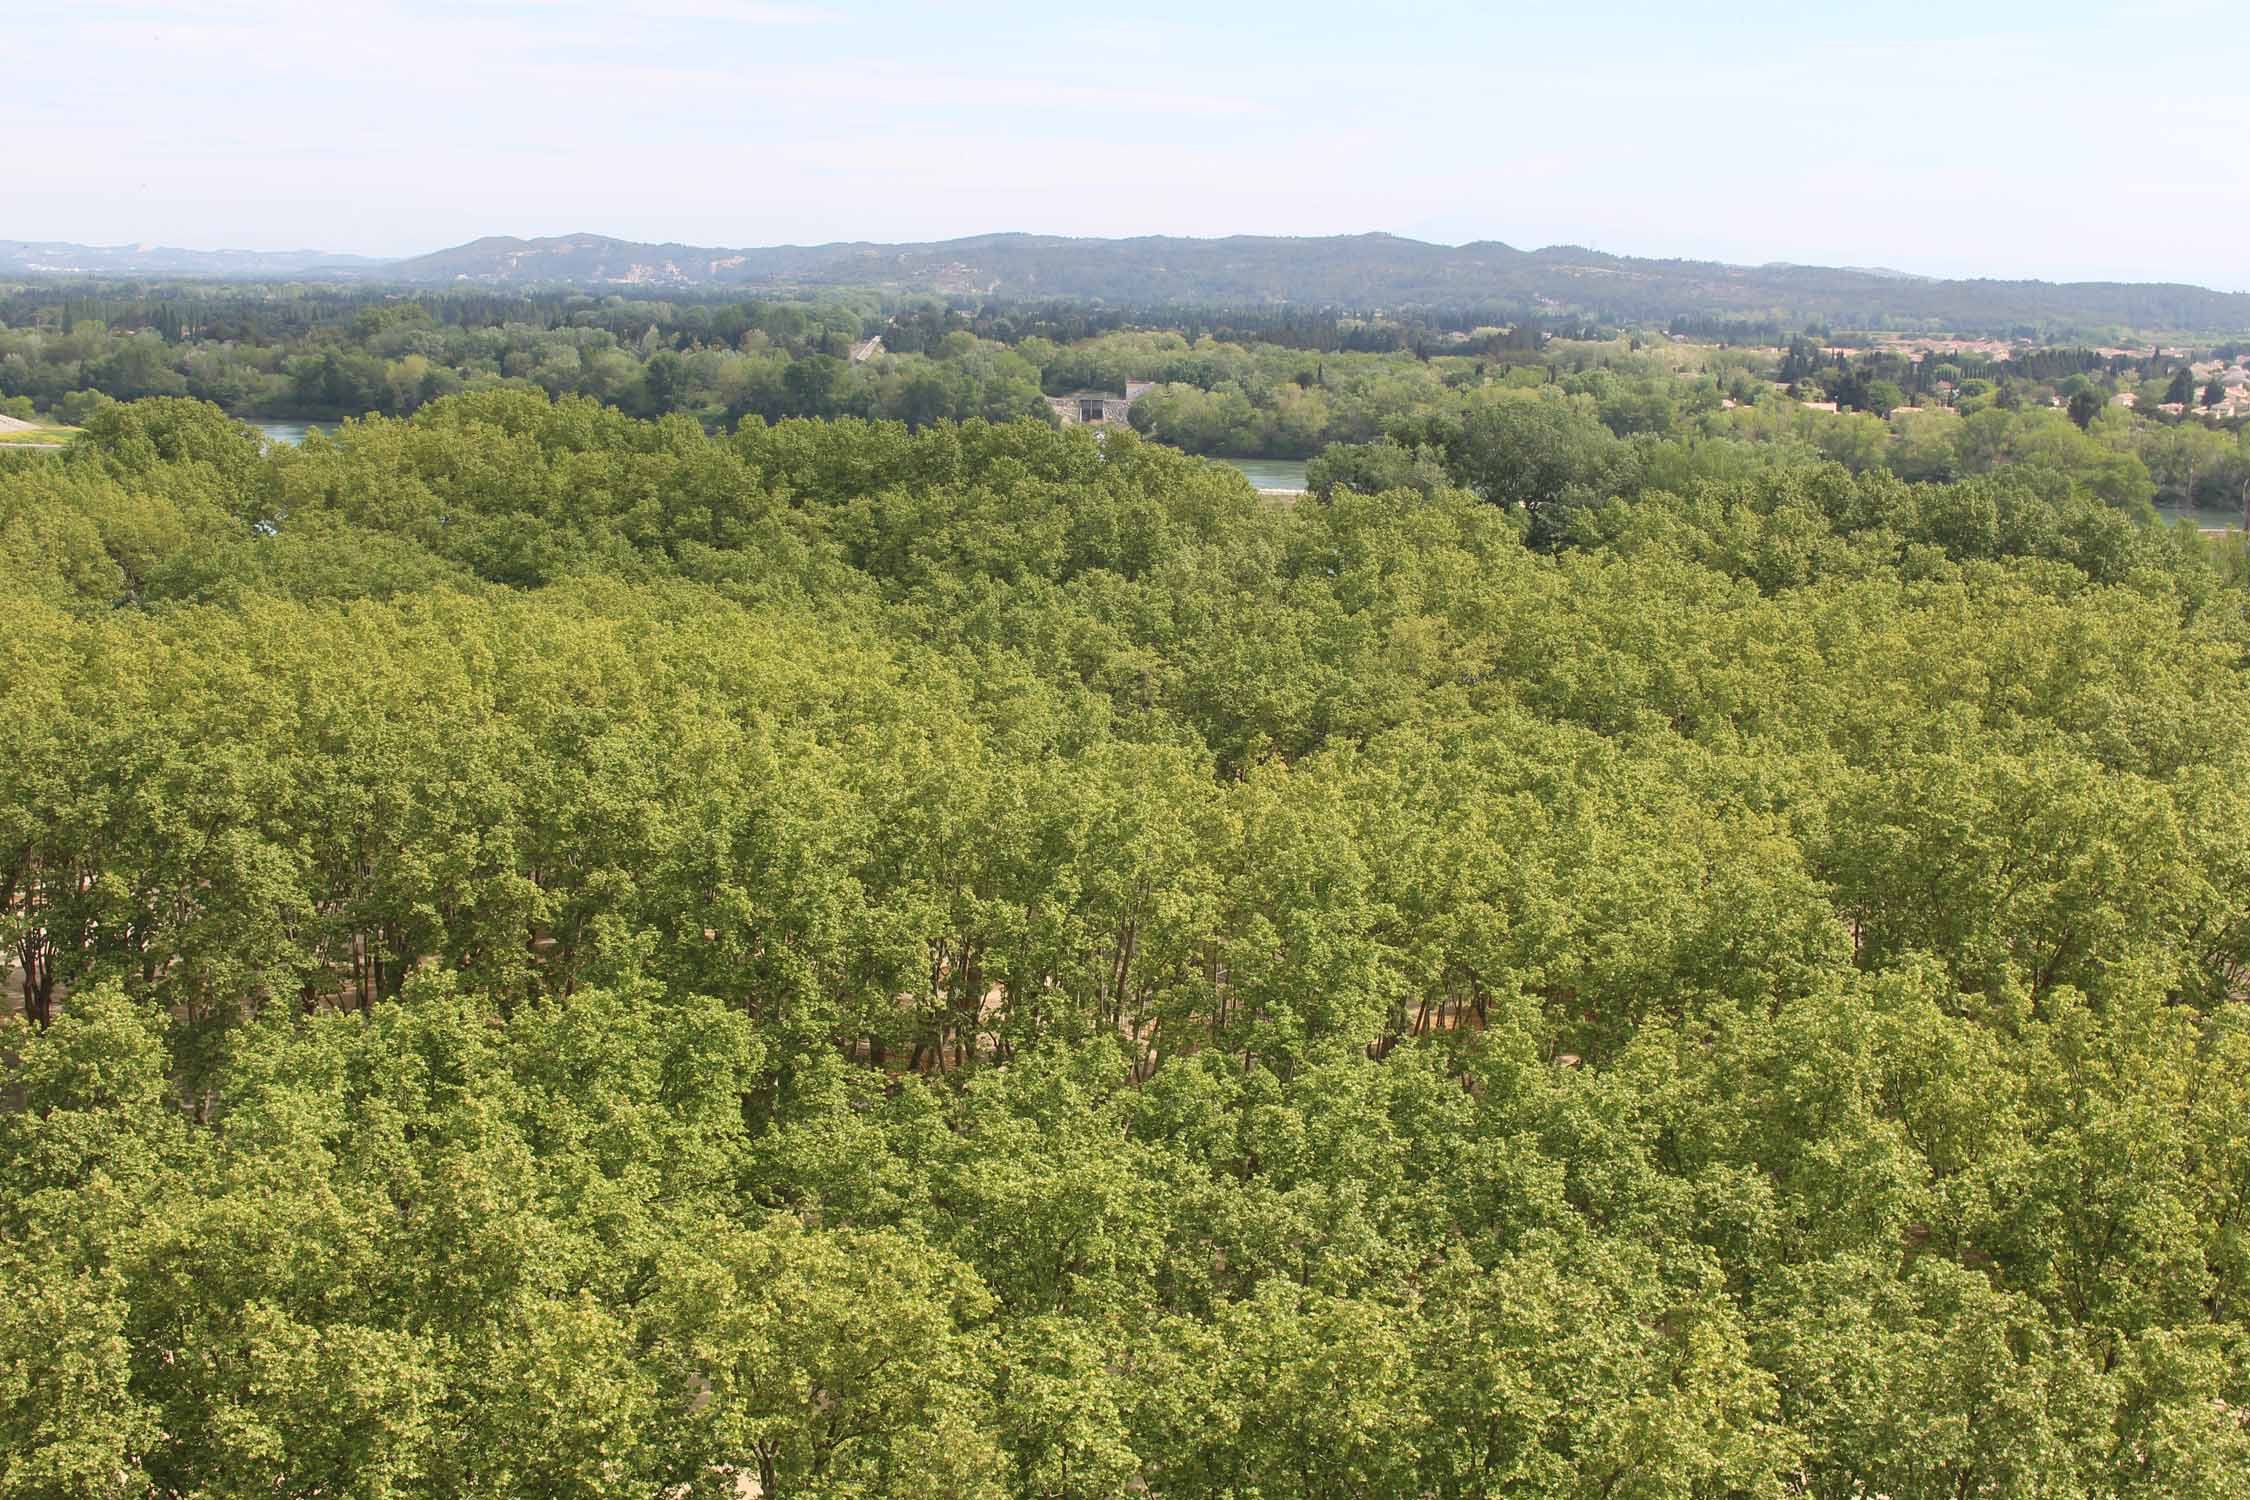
(564, 954)
(1354, 272)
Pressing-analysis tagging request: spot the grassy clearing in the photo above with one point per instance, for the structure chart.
(39, 437)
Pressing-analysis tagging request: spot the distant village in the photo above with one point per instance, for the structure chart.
(2222, 385)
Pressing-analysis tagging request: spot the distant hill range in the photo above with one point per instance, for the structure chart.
(1361, 272)
(46, 258)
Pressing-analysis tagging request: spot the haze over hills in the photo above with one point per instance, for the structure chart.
(1353, 271)
(54, 258)
(1367, 270)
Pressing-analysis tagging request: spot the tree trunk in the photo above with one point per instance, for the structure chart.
(38, 987)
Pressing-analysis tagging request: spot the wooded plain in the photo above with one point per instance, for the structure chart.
(569, 955)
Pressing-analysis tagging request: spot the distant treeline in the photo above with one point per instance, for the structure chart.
(1271, 382)
(311, 351)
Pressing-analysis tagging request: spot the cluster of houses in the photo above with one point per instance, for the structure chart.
(2234, 401)
(2233, 378)
(2234, 383)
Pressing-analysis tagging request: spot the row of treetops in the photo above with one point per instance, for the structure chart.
(575, 956)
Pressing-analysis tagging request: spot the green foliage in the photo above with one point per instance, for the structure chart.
(565, 955)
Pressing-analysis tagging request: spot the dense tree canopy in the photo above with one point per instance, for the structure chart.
(1271, 381)
(562, 954)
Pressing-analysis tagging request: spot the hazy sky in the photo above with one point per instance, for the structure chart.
(2056, 139)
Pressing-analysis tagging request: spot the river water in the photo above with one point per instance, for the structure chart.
(1281, 474)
